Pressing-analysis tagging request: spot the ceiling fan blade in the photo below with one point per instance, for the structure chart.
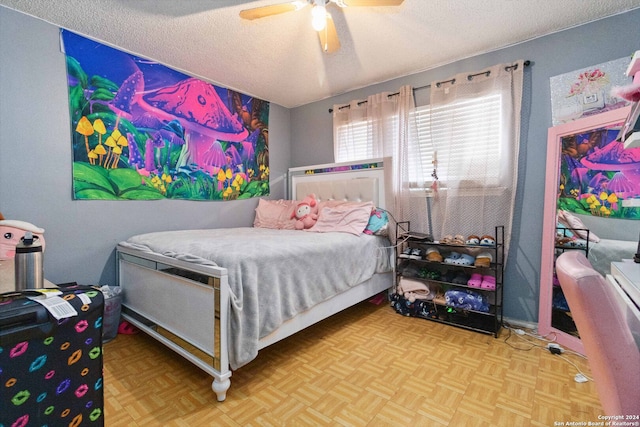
(351, 3)
(329, 37)
(274, 9)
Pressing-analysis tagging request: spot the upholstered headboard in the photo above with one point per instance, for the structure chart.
(357, 181)
(354, 190)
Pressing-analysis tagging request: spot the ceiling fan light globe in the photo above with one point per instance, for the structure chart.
(318, 17)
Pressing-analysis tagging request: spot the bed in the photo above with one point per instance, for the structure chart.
(610, 239)
(218, 296)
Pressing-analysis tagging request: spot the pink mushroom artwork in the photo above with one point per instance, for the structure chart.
(205, 118)
(123, 101)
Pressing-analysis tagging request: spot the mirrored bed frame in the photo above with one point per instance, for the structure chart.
(186, 306)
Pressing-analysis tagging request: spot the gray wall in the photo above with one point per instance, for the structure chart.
(595, 43)
(35, 151)
(35, 165)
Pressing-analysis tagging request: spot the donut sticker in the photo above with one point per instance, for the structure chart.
(75, 357)
(64, 385)
(65, 413)
(84, 372)
(65, 346)
(95, 414)
(94, 353)
(81, 326)
(19, 349)
(10, 382)
(48, 340)
(85, 307)
(50, 374)
(68, 297)
(20, 397)
(82, 390)
(76, 421)
(42, 396)
(21, 422)
(38, 363)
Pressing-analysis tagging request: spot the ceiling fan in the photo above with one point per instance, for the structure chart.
(321, 20)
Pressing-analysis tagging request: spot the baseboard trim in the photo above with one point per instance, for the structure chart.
(533, 326)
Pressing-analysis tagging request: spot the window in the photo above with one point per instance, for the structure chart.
(352, 142)
(478, 141)
(477, 135)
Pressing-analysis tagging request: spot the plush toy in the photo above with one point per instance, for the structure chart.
(11, 231)
(630, 92)
(378, 223)
(306, 213)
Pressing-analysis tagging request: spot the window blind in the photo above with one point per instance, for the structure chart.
(475, 125)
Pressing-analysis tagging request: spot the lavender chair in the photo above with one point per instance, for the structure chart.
(609, 329)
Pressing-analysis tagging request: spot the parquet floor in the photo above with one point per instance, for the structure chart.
(366, 366)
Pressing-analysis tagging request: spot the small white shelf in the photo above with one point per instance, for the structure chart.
(632, 141)
(634, 65)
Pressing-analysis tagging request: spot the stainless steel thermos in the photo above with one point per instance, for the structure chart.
(28, 263)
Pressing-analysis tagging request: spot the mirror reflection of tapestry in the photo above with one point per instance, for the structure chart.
(587, 91)
(142, 131)
(598, 176)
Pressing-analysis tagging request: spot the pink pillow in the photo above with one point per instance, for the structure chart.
(275, 214)
(576, 225)
(350, 217)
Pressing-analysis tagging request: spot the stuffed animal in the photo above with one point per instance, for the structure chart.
(630, 92)
(306, 213)
(11, 231)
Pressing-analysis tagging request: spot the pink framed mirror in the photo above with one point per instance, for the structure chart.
(571, 140)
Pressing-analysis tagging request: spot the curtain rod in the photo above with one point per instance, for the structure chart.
(469, 77)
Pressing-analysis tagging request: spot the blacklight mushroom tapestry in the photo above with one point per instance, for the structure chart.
(143, 131)
(598, 176)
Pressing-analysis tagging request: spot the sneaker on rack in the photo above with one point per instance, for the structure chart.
(416, 253)
(406, 253)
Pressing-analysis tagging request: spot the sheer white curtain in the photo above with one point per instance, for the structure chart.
(384, 126)
(477, 152)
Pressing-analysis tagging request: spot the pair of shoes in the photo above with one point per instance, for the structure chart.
(472, 240)
(483, 259)
(459, 259)
(458, 240)
(461, 278)
(453, 256)
(416, 253)
(409, 269)
(487, 240)
(411, 253)
(425, 273)
(433, 255)
(488, 283)
(482, 282)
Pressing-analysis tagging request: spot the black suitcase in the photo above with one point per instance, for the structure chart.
(51, 370)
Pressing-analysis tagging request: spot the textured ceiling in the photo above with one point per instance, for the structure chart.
(278, 58)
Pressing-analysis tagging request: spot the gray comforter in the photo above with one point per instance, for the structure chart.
(273, 274)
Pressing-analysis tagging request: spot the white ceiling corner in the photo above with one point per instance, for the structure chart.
(278, 58)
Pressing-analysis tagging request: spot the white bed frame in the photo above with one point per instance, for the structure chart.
(186, 306)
